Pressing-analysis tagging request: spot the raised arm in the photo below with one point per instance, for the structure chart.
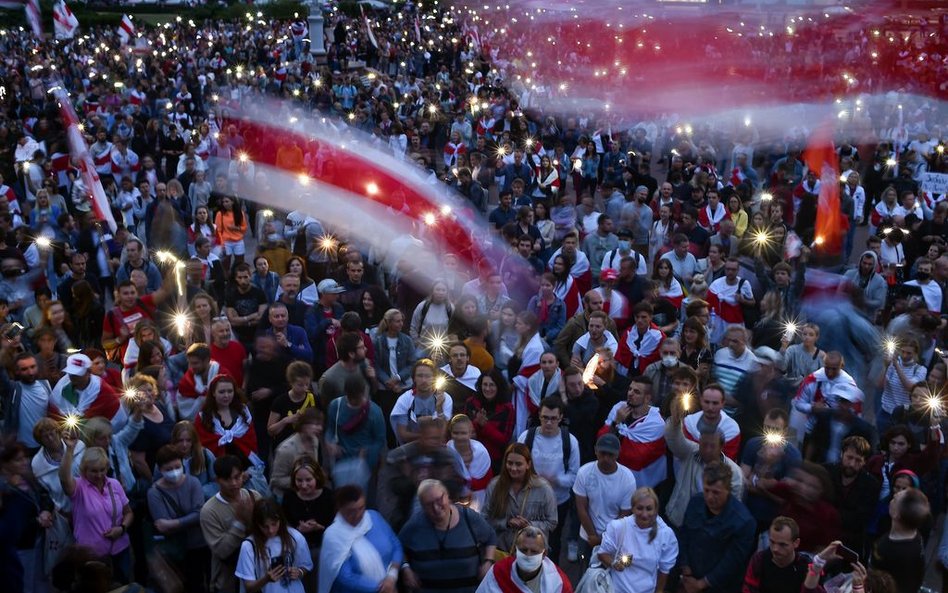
(65, 467)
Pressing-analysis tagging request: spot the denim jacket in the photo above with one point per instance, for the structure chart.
(404, 357)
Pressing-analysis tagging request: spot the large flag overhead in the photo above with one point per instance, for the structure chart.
(33, 15)
(79, 151)
(126, 29)
(831, 225)
(65, 22)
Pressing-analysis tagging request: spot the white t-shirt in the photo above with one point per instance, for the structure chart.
(34, 399)
(584, 348)
(931, 292)
(608, 494)
(392, 356)
(548, 462)
(408, 409)
(249, 569)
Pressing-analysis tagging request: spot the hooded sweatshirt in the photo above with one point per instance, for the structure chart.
(873, 286)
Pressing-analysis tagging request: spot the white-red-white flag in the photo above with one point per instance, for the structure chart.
(79, 151)
(34, 17)
(65, 22)
(126, 29)
(32, 9)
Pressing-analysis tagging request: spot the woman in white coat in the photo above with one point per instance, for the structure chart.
(639, 550)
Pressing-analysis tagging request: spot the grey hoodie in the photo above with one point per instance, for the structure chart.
(874, 288)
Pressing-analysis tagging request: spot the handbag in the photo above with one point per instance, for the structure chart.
(56, 539)
(595, 580)
(164, 574)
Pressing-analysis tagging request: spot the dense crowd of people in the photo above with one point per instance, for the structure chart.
(661, 383)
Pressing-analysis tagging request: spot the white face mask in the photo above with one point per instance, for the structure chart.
(529, 562)
(670, 360)
(173, 475)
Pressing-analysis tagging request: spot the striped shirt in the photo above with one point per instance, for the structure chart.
(894, 394)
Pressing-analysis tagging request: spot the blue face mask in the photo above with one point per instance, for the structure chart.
(625, 245)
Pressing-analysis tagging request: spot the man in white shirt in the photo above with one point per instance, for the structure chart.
(555, 458)
(930, 289)
(29, 399)
(595, 337)
(461, 375)
(603, 492)
(682, 261)
(612, 260)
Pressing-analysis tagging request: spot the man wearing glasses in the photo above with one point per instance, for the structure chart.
(448, 547)
(556, 458)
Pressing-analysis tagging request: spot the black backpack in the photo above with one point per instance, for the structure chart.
(567, 444)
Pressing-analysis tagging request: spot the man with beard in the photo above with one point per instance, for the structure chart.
(25, 401)
(577, 325)
(857, 492)
(461, 375)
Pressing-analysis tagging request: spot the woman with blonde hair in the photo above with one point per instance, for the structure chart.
(476, 459)
(639, 551)
(101, 513)
(518, 497)
(394, 352)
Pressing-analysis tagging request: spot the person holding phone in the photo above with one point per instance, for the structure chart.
(275, 558)
(781, 567)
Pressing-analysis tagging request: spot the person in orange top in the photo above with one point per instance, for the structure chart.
(290, 157)
(231, 223)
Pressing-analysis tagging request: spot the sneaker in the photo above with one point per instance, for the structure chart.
(572, 551)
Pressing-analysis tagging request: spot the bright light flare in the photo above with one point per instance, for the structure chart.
(590, 371)
(430, 219)
(766, 197)
(440, 383)
(890, 345)
(42, 242)
(372, 188)
(436, 343)
(790, 329)
(165, 257)
(687, 400)
(891, 162)
(243, 157)
(181, 323)
(761, 238)
(934, 405)
(71, 422)
(774, 439)
(445, 210)
(328, 243)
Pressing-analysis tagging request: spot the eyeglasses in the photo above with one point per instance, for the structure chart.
(549, 418)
